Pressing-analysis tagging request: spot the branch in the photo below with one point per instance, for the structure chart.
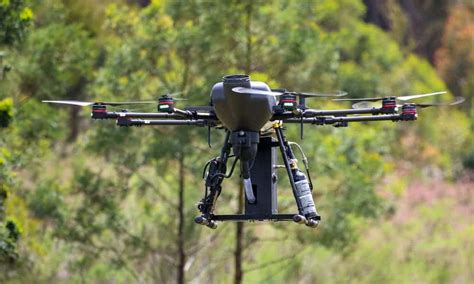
(162, 196)
(276, 261)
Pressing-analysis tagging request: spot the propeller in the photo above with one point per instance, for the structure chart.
(368, 104)
(401, 98)
(82, 104)
(172, 95)
(242, 90)
(360, 105)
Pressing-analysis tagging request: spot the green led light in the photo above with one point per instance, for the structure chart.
(288, 106)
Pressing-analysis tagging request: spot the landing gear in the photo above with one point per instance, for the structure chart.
(258, 171)
(300, 219)
(206, 222)
(216, 172)
(300, 184)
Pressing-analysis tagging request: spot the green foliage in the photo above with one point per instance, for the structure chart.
(47, 201)
(6, 112)
(61, 58)
(469, 161)
(105, 208)
(454, 58)
(15, 17)
(426, 248)
(31, 125)
(418, 244)
(9, 232)
(9, 235)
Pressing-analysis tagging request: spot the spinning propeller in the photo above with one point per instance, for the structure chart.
(83, 104)
(242, 90)
(368, 104)
(401, 98)
(173, 96)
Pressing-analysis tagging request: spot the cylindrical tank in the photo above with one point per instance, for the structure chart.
(236, 111)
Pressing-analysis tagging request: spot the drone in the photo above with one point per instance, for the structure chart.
(252, 116)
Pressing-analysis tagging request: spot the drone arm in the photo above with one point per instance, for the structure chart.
(323, 120)
(139, 122)
(315, 113)
(117, 115)
(183, 113)
(309, 113)
(158, 115)
(199, 115)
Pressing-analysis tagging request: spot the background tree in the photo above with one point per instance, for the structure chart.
(117, 204)
(15, 17)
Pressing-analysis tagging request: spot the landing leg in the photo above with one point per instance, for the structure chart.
(299, 184)
(215, 176)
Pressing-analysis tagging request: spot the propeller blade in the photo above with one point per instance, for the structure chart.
(172, 95)
(80, 103)
(200, 108)
(406, 98)
(360, 105)
(242, 90)
(75, 103)
(361, 99)
(401, 98)
(457, 100)
(320, 95)
(175, 93)
(126, 103)
(366, 104)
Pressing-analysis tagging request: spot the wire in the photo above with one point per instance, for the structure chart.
(305, 160)
(208, 162)
(205, 168)
(226, 175)
(232, 168)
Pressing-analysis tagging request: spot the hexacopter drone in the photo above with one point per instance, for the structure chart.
(251, 115)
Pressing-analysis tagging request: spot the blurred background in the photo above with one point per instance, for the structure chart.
(88, 202)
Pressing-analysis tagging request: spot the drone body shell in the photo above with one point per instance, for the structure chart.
(237, 111)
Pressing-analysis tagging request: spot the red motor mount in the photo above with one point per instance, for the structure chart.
(409, 112)
(99, 111)
(166, 104)
(389, 105)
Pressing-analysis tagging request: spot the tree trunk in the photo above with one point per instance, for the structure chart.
(73, 124)
(239, 233)
(377, 13)
(181, 234)
(75, 93)
(182, 255)
(427, 24)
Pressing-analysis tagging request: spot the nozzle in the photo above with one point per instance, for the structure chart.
(249, 190)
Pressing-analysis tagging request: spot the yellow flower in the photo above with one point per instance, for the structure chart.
(26, 14)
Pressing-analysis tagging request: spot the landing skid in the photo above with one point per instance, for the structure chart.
(211, 222)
